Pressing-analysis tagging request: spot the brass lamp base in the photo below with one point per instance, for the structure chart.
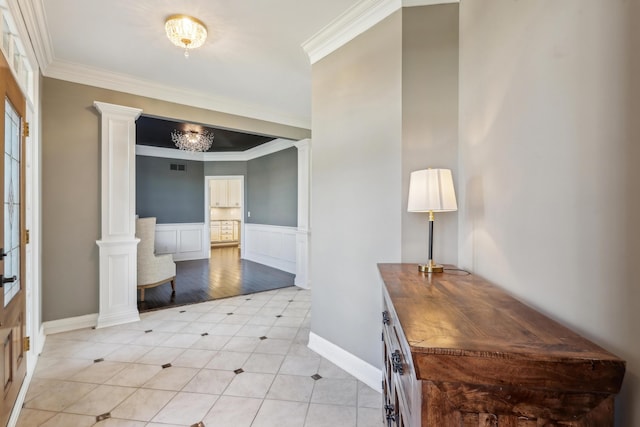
(430, 267)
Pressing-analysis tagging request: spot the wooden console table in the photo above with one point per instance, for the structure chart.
(460, 352)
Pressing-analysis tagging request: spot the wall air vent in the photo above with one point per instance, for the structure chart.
(177, 167)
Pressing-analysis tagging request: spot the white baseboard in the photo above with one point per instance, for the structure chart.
(368, 374)
(69, 324)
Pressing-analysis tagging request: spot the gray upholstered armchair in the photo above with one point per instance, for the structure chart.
(153, 270)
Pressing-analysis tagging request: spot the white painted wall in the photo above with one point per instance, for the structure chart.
(549, 153)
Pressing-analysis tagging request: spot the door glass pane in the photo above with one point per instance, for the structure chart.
(11, 202)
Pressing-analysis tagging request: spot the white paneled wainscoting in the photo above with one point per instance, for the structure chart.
(271, 245)
(183, 241)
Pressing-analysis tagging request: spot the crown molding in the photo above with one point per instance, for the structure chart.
(91, 76)
(236, 156)
(35, 21)
(355, 21)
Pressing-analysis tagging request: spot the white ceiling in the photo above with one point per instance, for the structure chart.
(252, 63)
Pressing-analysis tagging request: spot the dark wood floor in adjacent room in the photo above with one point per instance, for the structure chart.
(224, 275)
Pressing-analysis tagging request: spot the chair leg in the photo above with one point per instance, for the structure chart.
(173, 284)
(142, 294)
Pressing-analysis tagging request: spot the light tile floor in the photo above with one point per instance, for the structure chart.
(236, 362)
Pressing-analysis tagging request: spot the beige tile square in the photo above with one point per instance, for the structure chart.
(181, 340)
(276, 413)
(264, 363)
(225, 329)
(62, 369)
(301, 350)
(128, 353)
(368, 397)
(253, 331)
(273, 346)
(212, 318)
(154, 338)
(228, 360)
(99, 373)
(230, 411)
(242, 344)
(330, 416)
(369, 417)
(262, 320)
(289, 321)
(250, 384)
(58, 395)
(194, 358)
(296, 365)
(173, 378)
(329, 370)
(114, 422)
(134, 375)
(100, 400)
(291, 387)
(211, 342)
(236, 319)
(33, 417)
(143, 404)
(335, 392)
(68, 420)
(160, 356)
(210, 381)
(170, 326)
(186, 409)
(282, 332)
(197, 328)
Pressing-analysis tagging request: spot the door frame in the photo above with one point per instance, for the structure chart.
(207, 211)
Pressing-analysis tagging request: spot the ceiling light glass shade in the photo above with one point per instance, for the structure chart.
(186, 32)
(192, 140)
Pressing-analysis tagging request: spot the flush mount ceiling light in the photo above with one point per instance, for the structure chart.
(192, 140)
(186, 32)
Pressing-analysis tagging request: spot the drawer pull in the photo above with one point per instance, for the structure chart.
(390, 414)
(385, 318)
(396, 361)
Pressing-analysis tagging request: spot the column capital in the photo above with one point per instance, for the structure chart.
(121, 110)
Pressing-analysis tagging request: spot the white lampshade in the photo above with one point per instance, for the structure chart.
(432, 190)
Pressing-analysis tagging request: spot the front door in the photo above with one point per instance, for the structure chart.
(12, 242)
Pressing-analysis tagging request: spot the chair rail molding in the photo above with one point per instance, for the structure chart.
(118, 244)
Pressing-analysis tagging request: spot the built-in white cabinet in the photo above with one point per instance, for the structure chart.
(225, 193)
(225, 232)
(215, 231)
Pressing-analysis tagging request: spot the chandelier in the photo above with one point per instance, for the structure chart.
(186, 32)
(192, 140)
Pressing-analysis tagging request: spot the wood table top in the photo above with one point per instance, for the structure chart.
(454, 314)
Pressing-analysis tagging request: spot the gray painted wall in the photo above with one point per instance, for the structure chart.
(429, 121)
(169, 195)
(549, 155)
(356, 181)
(272, 186)
(71, 184)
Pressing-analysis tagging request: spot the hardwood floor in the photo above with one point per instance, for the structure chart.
(224, 275)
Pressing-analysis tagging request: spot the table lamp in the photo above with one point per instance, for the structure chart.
(431, 190)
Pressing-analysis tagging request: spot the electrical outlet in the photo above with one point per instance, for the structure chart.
(248, 214)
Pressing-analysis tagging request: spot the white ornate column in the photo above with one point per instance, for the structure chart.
(303, 233)
(118, 244)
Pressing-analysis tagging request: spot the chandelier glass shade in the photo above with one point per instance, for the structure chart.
(186, 32)
(192, 140)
